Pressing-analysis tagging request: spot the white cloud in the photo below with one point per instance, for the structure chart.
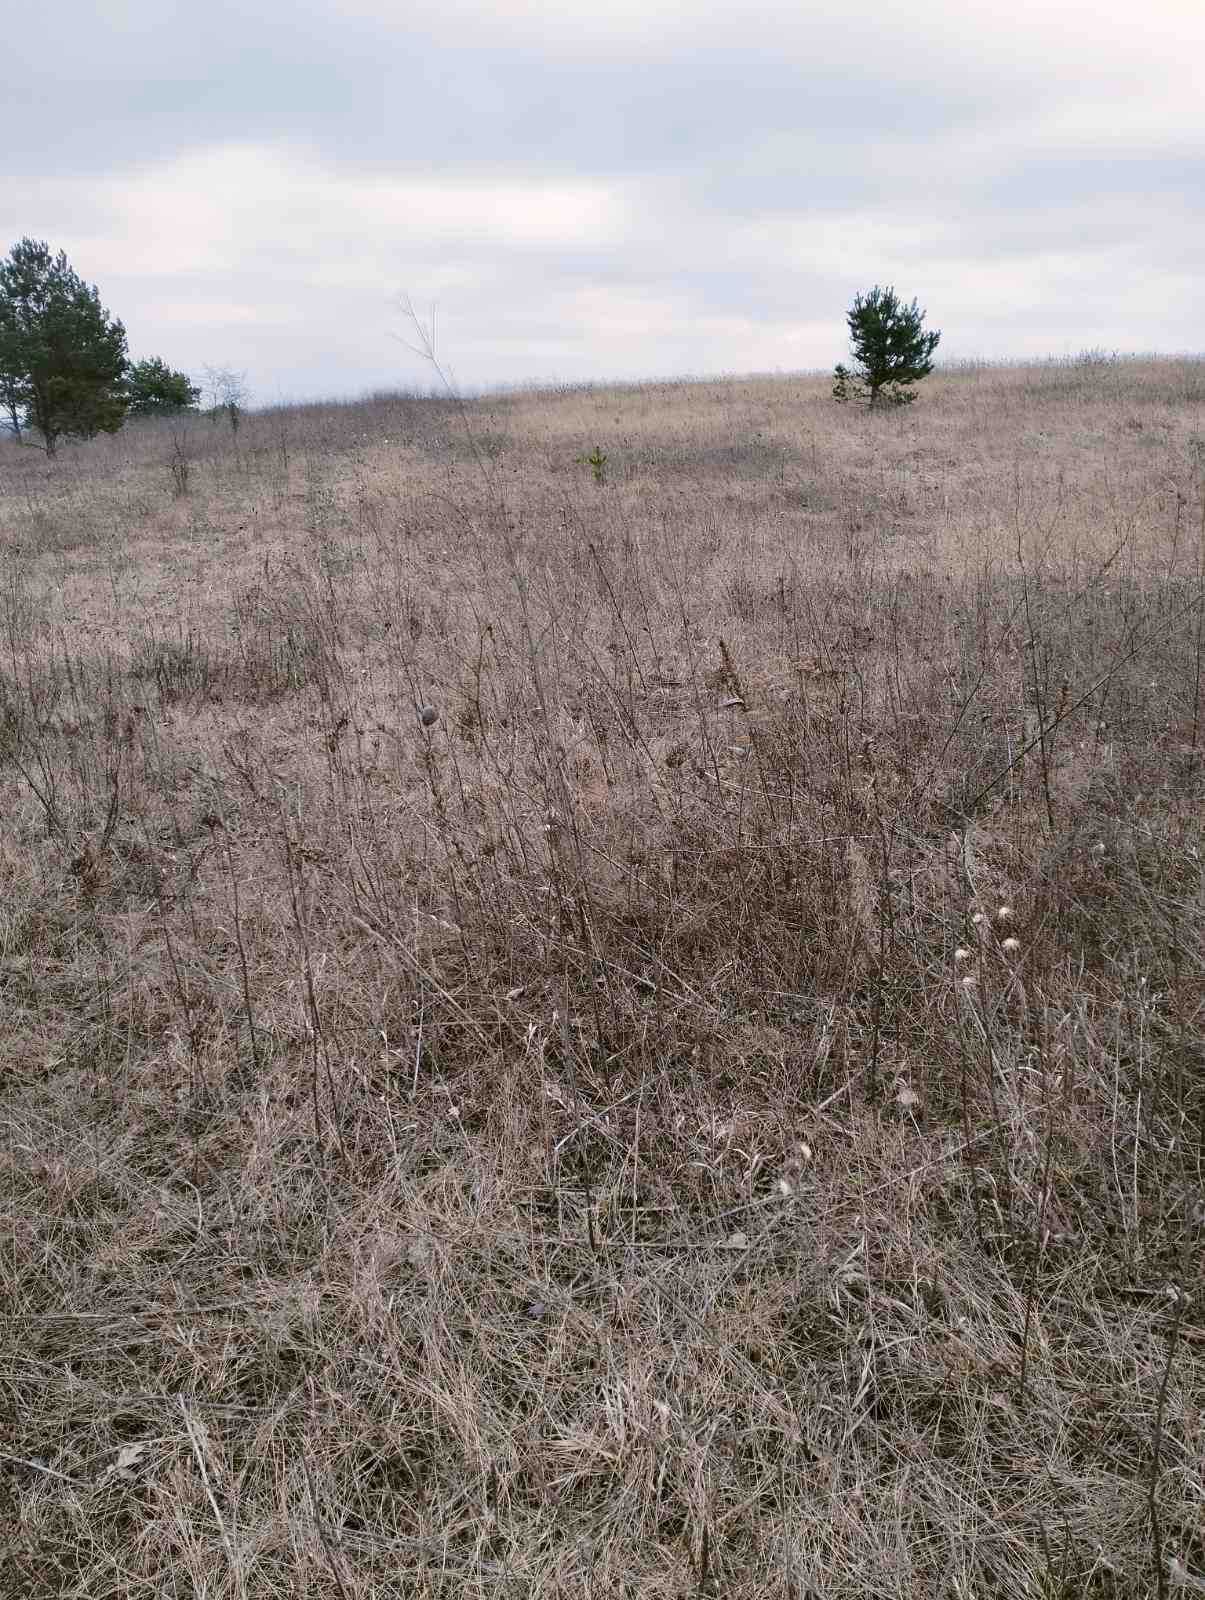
(221, 209)
(1051, 32)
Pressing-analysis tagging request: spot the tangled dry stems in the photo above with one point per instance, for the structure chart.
(636, 1037)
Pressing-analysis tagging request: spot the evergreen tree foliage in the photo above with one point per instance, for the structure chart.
(62, 357)
(10, 401)
(890, 347)
(155, 390)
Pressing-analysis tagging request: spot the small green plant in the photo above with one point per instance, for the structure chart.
(597, 462)
(889, 347)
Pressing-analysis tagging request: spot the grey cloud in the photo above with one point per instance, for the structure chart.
(371, 95)
(1072, 180)
(747, 186)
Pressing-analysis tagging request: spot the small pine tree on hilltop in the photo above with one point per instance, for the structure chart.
(890, 347)
(154, 390)
(62, 357)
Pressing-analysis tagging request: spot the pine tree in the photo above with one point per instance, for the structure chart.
(155, 390)
(62, 357)
(890, 347)
(10, 400)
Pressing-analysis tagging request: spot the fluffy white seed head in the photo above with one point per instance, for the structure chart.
(1181, 1578)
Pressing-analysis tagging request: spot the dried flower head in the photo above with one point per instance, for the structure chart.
(962, 953)
(1181, 1578)
(1010, 946)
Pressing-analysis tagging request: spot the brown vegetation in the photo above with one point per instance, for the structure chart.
(718, 1108)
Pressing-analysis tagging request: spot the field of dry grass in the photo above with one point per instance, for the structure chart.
(717, 1106)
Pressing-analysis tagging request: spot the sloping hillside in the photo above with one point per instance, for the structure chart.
(604, 1027)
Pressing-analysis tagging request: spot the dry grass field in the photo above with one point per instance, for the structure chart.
(716, 1105)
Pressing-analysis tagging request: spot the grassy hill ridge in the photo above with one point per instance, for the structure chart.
(720, 1108)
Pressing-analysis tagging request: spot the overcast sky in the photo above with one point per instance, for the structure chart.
(609, 188)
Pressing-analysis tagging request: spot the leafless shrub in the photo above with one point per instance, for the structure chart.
(180, 464)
